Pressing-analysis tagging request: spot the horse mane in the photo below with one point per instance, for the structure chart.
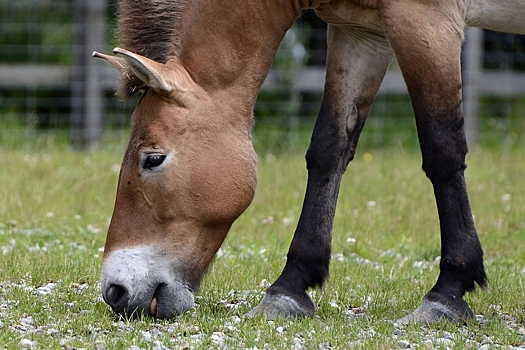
(148, 28)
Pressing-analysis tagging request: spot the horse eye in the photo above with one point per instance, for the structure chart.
(153, 160)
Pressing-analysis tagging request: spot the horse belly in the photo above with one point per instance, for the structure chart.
(499, 15)
(352, 13)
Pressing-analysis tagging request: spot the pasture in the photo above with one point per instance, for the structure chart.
(55, 207)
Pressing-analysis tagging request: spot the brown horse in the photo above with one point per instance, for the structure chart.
(189, 169)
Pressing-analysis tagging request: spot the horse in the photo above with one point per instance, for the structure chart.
(189, 169)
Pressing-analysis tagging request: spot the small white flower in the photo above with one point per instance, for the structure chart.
(26, 343)
(287, 221)
(268, 220)
(333, 304)
(93, 229)
(115, 168)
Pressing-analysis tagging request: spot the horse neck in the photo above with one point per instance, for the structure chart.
(228, 46)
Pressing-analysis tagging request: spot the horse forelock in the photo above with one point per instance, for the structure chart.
(150, 29)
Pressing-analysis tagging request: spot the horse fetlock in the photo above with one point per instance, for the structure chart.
(462, 272)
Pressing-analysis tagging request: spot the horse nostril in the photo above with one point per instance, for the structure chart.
(116, 296)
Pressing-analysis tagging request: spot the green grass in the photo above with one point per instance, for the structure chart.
(55, 207)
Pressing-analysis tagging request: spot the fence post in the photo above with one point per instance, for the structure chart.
(86, 87)
(472, 68)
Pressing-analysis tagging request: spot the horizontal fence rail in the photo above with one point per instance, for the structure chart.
(310, 79)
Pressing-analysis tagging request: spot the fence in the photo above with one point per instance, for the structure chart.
(46, 66)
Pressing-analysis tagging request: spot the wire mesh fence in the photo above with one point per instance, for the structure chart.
(44, 45)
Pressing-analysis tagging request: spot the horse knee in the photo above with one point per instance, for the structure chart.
(334, 141)
(443, 166)
(443, 155)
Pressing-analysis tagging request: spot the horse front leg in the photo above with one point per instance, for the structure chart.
(356, 64)
(426, 37)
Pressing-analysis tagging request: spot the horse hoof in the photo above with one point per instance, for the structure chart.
(432, 311)
(283, 306)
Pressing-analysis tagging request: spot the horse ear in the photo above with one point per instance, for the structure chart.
(119, 63)
(157, 75)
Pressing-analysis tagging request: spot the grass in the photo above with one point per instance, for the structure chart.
(56, 204)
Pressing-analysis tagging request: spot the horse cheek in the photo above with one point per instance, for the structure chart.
(229, 189)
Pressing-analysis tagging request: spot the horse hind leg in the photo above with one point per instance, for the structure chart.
(356, 64)
(502, 15)
(427, 43)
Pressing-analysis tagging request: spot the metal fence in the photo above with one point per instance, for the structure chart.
(47, 75)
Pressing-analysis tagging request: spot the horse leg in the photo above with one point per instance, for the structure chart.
(357, 61)
(427, 42)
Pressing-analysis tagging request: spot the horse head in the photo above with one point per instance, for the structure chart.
(188, 172)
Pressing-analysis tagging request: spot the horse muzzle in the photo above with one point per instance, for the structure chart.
(134, 285)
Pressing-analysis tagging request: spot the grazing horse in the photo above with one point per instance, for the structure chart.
(189, 169)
